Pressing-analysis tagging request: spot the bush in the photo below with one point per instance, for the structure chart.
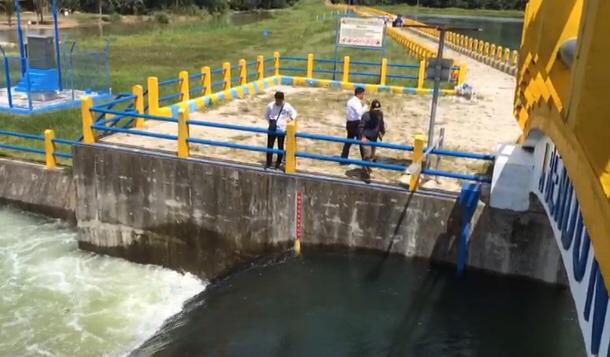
(161, 17)
(115, 17)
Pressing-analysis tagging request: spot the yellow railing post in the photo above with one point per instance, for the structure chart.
(206, 80)
(506, 56)
(291, 147)
(499, 52)
(85, 106)
(260, 68)
(226, 76)
(153, 95)
(345, 69)
(138, 103)
(462, 74)
(492, 51)
(422, 74)
(276, 63)
(183, 133)
(243, 72)
(309, 66)
(183, 86)
(384, 71)
(515, 58)
(49, 149)
(418, 156)
(475, 45)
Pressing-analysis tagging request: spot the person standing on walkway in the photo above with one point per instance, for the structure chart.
(278, 114)
(356, 106)
(372, 128)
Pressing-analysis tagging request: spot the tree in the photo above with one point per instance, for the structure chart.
(39, 7)
(8, 6)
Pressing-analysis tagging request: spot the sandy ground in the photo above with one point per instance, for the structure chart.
(322, 111)
(495, 91)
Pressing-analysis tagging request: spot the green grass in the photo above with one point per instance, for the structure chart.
(165, 50)
(410, 9)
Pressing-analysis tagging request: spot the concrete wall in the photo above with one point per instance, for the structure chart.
(208, 218)
(32, 187)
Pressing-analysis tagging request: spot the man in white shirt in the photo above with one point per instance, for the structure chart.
(279, 113)
(356, 106)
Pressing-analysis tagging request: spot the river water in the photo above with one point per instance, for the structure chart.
(367, 305)
(56, 300)
(503, 31)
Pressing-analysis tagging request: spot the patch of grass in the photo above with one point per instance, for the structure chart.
(164, 50)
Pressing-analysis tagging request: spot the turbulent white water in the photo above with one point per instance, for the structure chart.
(56, 300)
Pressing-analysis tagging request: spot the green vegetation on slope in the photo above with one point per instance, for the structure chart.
(166, 50)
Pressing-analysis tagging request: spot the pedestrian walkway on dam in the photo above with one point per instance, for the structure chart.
(492, 110)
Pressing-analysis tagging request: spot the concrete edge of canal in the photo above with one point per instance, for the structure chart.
(209, 218)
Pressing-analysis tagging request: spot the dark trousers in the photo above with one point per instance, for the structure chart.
(353, 132)
(280, 145)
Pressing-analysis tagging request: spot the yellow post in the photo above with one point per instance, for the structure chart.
(418, 156)
(422, 74)
(226, 76)
(470, 43)
(291, 147)
(515, 57)
(49, 149)
(506, 56)
(206, 80)
(345, 69)
(499, 53)
(475, 44)
(138, 103)
(384, 71)
(276, 63)
(183, 86)
(153, 95)
(260, 68)
(309, 66)
(85, 106)
(462, 74)
(243, 72)
(183, 133)
(490, 50)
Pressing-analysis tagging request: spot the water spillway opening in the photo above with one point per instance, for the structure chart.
(368, 305)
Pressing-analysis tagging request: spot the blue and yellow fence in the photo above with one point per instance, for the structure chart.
(210, 86)
(47, 140)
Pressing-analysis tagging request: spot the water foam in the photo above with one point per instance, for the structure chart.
(57, 300)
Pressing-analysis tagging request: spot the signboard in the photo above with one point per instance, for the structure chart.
(361, 32)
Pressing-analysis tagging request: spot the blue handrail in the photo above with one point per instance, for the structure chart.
(22, 135)
(169, 81)
(250, 129)
(337, 139)
(234, 146)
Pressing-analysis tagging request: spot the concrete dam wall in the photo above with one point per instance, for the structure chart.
(30, 186)
(208, 218)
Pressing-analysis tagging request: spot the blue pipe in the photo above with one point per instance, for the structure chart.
(233, 127)
(7, 74)
(307, 155)
(135, 132)
(456, 175)
(20, 38)
(21, 148)
(135, 115)
(22, 135)
(57, 53)
(400, 76)
(234, 146)
(466, 155)
(336, 139)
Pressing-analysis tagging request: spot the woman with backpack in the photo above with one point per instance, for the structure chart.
(372, 128)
